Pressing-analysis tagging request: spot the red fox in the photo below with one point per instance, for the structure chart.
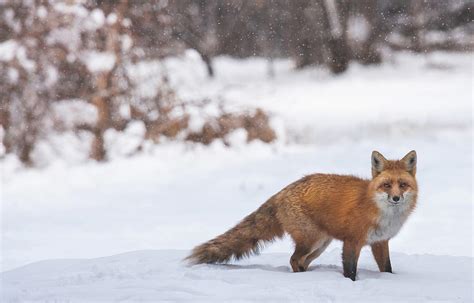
(321, 207)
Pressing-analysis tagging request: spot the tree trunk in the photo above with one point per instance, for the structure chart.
(337, 44)
(105, 86)
(370, 54)
(5, 123)
(339, 61)
(307, 33)
(416, 8)
(270, 67)
(25, 153)
(102, 104)
(208, 61)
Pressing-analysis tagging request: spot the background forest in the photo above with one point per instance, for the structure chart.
(76, 67)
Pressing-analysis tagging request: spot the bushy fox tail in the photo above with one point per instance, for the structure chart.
(244, 239)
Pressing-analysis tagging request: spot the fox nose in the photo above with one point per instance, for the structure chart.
(396, 198)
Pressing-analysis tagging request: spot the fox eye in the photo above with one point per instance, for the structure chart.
(403, 185)
(387, 185)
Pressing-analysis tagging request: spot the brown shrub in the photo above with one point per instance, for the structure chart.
(256, 124)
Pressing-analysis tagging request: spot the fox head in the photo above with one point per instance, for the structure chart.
(393, 181)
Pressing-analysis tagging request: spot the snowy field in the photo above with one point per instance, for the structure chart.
(157, 275)
(117, 231)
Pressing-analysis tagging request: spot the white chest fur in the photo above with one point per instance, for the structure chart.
(390, 221)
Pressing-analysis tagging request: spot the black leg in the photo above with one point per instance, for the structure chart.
(350, 256)
(382, 256)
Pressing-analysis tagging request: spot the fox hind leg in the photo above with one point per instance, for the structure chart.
(307, 248)
(299, 256)
(305, 234)
(306, 252)
(318, 249)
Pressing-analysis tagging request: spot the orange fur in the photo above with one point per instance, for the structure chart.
(321, 207)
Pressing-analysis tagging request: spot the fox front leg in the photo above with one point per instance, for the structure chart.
(350, 256)
(382, 256)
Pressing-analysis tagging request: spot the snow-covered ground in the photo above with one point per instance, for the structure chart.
(175, 196)
(159, 275)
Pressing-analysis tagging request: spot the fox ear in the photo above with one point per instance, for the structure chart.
(378, 163)
(410, 162)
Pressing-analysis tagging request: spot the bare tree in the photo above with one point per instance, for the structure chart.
(194, 23)
(107, 82)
